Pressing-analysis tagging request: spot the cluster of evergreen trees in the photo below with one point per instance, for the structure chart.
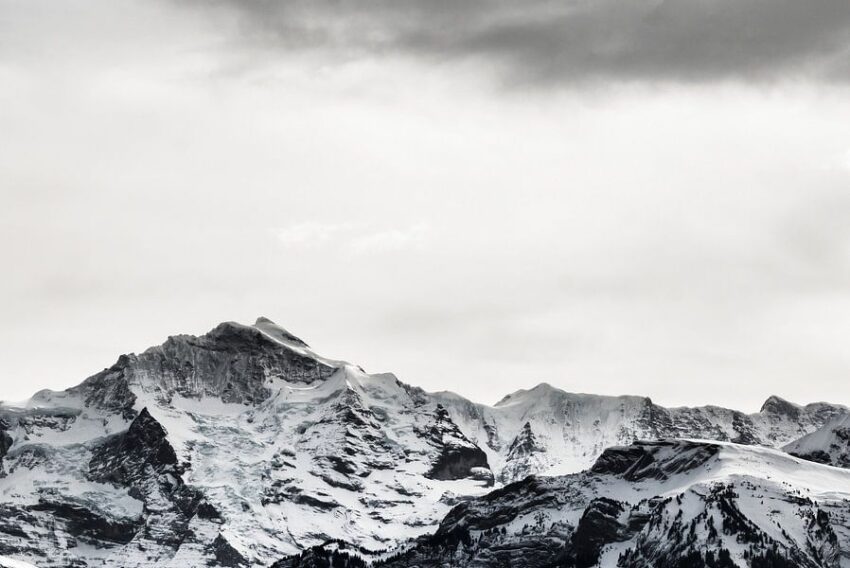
(326, 559)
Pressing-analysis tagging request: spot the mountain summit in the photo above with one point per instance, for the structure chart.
(243, 445)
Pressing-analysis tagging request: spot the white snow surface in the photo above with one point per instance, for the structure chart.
(12, 563)
(239, 452)
(830, 443)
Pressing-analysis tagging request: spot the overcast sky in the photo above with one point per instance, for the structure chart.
(646, 197)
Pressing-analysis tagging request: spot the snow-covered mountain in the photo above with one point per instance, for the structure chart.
(830, 444)
(243, 445)
(232, 448)
(670, 503)
(547, 431)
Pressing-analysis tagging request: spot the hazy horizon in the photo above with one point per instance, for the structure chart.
(459, 389)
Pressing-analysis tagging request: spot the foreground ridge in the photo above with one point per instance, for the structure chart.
(662, 503)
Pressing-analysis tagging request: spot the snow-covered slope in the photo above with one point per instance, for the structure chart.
(231, 448)
(547, 431)
(11, 563)
(830, 444)
(243, 445)
(668, 503)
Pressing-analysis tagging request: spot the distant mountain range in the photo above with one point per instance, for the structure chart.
(243, 447)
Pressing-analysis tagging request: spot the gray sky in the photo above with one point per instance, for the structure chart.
(650, 197)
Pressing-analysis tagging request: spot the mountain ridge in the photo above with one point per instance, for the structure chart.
(234, 432)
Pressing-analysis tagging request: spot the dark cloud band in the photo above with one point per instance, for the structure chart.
(542, 41)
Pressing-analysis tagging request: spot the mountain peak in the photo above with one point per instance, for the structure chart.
(251, 401)
(778, 405)
(538, 391)
(233, 362)
(272, 329)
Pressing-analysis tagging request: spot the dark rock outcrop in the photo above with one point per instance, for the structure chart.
(226, 555)
(599, 525)
(143, 460)
(109, 390)
(654, 460)
(458, 457)
(458, 462)
(232, 362)
(86, 523)
(780, 407)
(5, 442)
(125, 458)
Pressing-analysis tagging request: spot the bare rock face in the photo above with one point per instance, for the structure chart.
(131, 494)
(458, 458)
(781, 408)
(654, 460)
(143, 461)
(5, 441)
(108, 391)
(129, 457)
(599, 525)
(232, 362)
(226, 555)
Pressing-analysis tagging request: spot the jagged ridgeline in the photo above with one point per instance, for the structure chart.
(243, 447)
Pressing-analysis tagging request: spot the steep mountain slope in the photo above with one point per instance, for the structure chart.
(669, 503)
(830, 444)
(229, 448)
(242, 445)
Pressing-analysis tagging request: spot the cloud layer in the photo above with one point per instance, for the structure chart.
(349, 170)
(574, 41)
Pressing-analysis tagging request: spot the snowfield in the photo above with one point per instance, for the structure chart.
(11, 563)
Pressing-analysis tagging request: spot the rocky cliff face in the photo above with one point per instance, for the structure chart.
(457, 457)
(233, 363)
(243, 445)
(143, 462)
